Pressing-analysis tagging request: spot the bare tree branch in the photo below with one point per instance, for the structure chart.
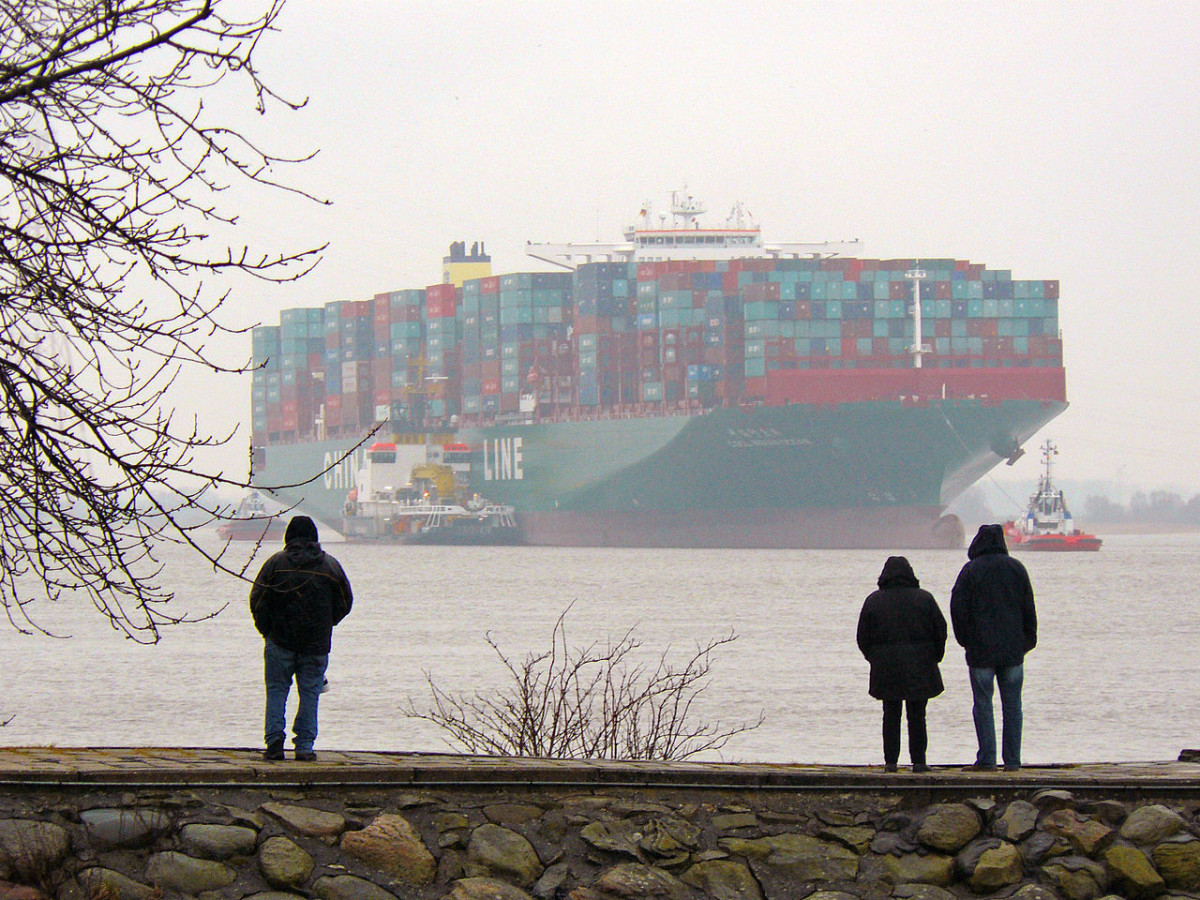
(112, 174)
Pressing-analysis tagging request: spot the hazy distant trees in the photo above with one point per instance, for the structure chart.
(1153, 508)
(114, 247)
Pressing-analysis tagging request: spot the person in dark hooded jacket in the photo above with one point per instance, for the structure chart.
(991, 608)
(902, 633)
(300, 594)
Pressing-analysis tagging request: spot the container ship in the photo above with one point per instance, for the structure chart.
(688, 386)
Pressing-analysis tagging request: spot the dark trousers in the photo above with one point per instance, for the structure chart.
(918, 740)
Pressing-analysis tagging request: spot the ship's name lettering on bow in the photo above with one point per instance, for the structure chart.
(503, 459)
(742, 438)
(341, 475)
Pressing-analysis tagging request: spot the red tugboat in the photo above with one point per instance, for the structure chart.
(1047, 523)
(252, 521)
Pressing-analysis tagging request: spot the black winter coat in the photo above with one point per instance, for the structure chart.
(991, 605)
(300, 593)
(902, 633)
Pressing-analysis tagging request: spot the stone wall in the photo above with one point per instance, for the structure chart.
(495, 843)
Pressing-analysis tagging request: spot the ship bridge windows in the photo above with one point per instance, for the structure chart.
(381, 456)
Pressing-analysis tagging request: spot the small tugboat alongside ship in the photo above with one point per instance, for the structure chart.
(432, 506)
(1047, 523)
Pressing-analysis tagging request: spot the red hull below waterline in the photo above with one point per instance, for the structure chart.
(885, 528)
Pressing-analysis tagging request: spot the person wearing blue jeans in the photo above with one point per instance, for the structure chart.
(298, 597)
(1009, 680)
(280, 667)
(994, 619)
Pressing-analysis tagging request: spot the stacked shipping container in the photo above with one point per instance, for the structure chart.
(678, 334)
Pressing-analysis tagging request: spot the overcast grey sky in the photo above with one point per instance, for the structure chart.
(1058, 140)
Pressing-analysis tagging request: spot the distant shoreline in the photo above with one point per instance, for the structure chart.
(1102, 528)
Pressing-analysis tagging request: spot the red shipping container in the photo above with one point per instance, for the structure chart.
(491, 385)
(941, 328)
(649, 339)
(775, 347)
(942, 290)
(1050, 290)
(593, 325)
(755, 389)
(762, 290)
(356, 309)
(489, 285)
(440, 292)
(729, 280)
(849, 347)
(879, 346)
(440, 308)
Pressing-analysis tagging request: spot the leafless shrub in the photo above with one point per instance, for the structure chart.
(32, 852)
(588, 702)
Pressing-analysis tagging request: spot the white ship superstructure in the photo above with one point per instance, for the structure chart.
(680, 236)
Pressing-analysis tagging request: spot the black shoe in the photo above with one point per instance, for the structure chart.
(981, 767)
(890, 767)
(274, 750)
(305, 756)
(920, 767)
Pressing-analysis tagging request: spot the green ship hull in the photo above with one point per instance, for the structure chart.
(861, 474)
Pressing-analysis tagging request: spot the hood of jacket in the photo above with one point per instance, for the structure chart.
(897, 572)
(304, 554)
(989, 539)
(301, 528)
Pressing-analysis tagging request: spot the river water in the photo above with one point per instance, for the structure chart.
(1116, 674)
